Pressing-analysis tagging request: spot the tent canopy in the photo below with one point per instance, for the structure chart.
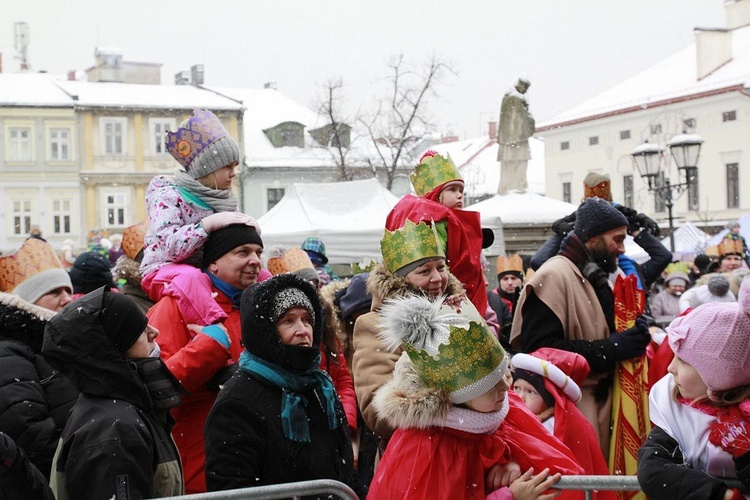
(349, 217)
(689, 241)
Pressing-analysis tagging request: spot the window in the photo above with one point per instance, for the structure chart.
(565, 145)
(273, 196)
(159, 127)
(19, 144)
(689, 123)
(659, 205)
(59, 144)
(593, 141)
(624, 134)
(627, 190)
(656, 129)
(733, 185)
(566, 192)
(693, 190)
(21, 217)
(115, 206)
(729, 116)
(113, 136)
(61, 214)
(287, 134)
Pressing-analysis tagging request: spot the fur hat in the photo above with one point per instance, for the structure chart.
(715, 340)
(355, 297)
(597, 185)
(596, 216)
(91, 271)
(453, 352)
(291, 260)
(223, 240)
(33, 271)
(202, 145)
(258, 312)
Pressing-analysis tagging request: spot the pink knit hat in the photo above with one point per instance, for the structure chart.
(715, 340)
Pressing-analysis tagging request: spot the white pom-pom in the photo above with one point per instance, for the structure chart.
(418, 321)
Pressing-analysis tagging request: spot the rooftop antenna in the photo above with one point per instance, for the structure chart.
(21, 44)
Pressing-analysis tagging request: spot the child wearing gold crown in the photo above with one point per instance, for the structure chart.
(460, 433)
(439, 188)
(183, 210)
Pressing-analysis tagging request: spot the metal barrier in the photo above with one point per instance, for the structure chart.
(275, 491)
(590, 484)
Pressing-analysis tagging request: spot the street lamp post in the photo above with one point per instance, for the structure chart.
(685, 149)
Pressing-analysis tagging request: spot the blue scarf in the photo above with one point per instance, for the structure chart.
(234, 293)
(628, 267)
(294, 420)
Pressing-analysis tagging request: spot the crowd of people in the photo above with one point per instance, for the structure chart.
(188, 357)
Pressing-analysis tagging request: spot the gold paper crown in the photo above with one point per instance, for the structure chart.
(32, 258)
(513, 263)
(433, 171)
(597, 186)
(729, 246)
(408, 244)
(292, 260)
(469, 356)
(134, 238)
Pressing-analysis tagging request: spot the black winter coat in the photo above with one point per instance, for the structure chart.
(34, 398)
(663, 474)
(245, 443)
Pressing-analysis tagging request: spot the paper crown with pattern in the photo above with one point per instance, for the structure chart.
(597, 185)
(452, 352)
(32, 259)
(730, 246)
(433, 171)
(134, 238)
(511, 264)
(288, 260)
(202, 129)
(408, 244)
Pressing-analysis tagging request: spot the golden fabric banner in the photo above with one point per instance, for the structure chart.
(630, 418)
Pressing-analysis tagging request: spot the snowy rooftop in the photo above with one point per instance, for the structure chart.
(31, 89)
(476, 159)
(671, 78)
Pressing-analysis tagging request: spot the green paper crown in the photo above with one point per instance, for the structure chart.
(408, 244)
(434, 171)
(470, 355)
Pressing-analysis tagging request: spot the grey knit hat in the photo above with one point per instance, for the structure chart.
(216, 155)
(40, 284)
(291, 297)
(596, 216)
(202, 145)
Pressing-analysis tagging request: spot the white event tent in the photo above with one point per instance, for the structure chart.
(349, 217)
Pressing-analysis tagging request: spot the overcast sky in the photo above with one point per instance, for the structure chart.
(570, 50)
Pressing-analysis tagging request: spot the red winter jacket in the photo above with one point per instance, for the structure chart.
(194, 360)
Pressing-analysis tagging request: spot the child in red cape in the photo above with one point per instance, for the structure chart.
(439, 188)
(459, 432)
(548, 380)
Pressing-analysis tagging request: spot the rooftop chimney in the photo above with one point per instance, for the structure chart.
(182, 78)
(270, 85)
(713, 48)
(737, 13)
(196, 74)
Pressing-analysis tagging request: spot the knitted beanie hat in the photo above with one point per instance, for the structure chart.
(223, 240)
(91, 271)
(453, 352)
(715, 340)
(596, 216)
(202, 145)
(289, 298)
(122, 319)
(677, 277)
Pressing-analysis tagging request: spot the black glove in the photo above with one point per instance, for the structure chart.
(632, 342)
(563, 226)
(648, 224)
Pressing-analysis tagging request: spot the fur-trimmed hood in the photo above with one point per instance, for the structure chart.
(382, 284)
(23, 321)
(332, 311)
(129, 270)
(404, 402)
